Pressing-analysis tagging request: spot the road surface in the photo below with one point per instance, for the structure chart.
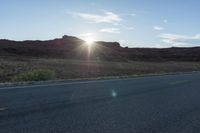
(159, 104)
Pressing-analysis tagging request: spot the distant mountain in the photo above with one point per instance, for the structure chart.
(74, 48)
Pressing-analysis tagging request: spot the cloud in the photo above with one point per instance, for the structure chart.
(86, 34)
(180, 40)
(110, 30)
(158, 28)
(107, 17)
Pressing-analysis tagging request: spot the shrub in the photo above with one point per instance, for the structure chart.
(36, 75)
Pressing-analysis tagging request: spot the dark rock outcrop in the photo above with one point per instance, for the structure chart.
(75, 48)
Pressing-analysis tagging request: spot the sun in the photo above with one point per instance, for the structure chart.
(89, 41)
(90, 45)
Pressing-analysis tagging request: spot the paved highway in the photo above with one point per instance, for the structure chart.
(159, 104)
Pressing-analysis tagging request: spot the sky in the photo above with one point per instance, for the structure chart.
(133, 23)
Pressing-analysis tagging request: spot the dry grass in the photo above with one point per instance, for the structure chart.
(70, 69)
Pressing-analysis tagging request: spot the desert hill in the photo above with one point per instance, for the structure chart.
(74, 48)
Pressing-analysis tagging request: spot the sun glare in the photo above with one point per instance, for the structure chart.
(89, 40)
(89, 44)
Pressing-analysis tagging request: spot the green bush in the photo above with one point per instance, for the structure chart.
(36, 75)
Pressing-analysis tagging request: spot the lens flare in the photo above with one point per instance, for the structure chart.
(89, 41)
(114, 94)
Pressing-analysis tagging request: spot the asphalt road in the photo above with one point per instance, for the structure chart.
(159, 104)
